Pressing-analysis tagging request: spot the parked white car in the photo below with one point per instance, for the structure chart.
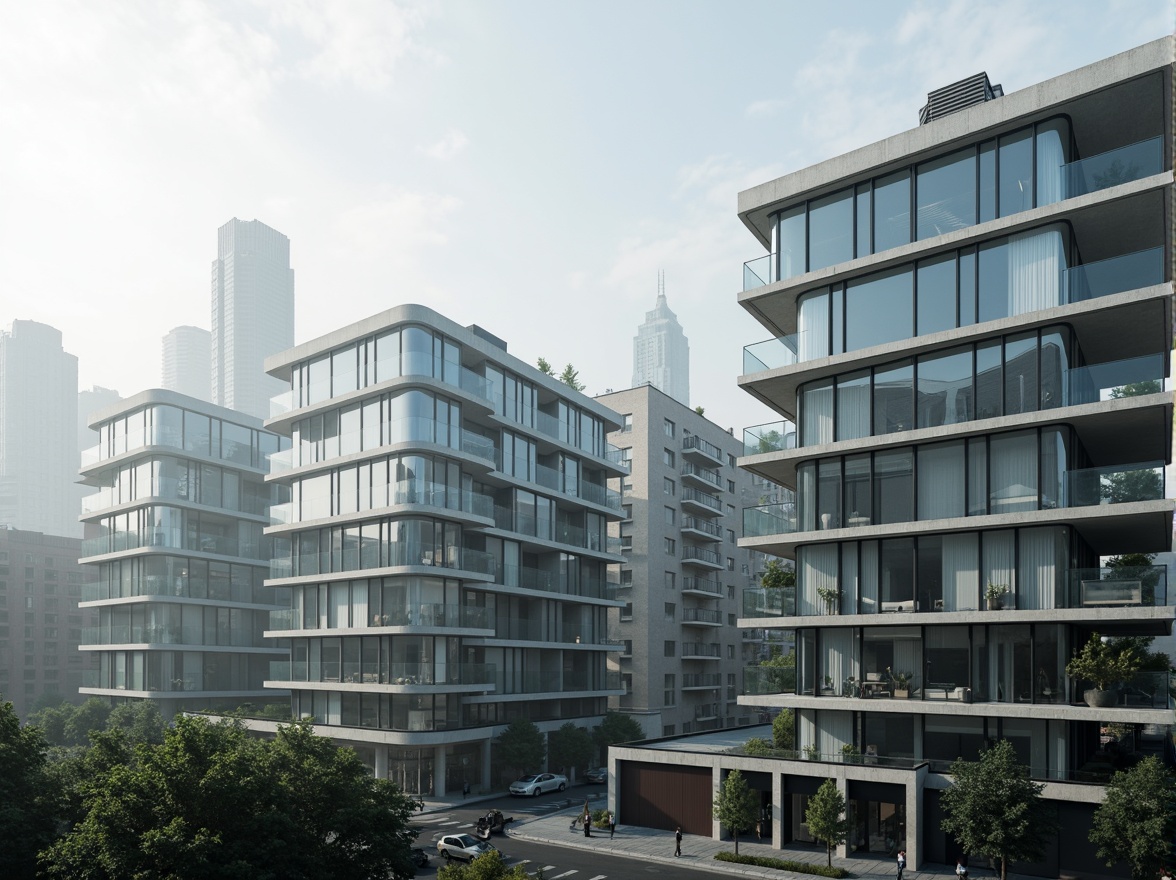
(462, 846)
(539, 783)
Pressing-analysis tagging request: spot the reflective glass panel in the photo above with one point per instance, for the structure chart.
(936, 292)
(989, 381)
(987, 181)
(879, 309)
(994, 281)
(894, 399)
(1021, 375)
(892, 211)
(792, 242)
(946, 189)
(893, 501)
(945, 389)
(1016, 172)
(853, 406)
(831, 230)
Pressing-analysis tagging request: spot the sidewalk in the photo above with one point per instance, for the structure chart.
(653, 845)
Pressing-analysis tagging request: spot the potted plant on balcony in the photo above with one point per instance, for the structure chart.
(1105, 665)
(995, 594)
(902, 685)
(831, 596)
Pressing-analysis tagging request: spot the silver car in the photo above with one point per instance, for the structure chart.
(462, 846)
(539, 783)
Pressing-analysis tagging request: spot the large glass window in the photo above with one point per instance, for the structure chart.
(853, 406)
(879, 309)
(946, 194)
(892, 211)
(792, 242)
(941, 480)
(831, 230)
(936, 295)
(894, 399)
(945, 389)
(1016, 172)
(893, 501)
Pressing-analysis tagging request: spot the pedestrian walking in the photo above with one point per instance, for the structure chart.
(612, 825)
(678, 842)
(961, 869)
(587, 824)
(465, 790)
(901, 862)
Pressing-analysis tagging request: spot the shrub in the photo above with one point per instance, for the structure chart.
(782, 865)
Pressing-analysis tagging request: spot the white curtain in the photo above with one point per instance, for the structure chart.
(1013, 485)
(869, 583)
(1038, 573)
(817, 415)
(818, 568)
(998, 561)
(907, 657)
(807, 728)
(1035, 271)
(834, 729)
(961, 573)
(836, 660)
(1050, 159)
(812, 326)
(941, 481)
(849, 577)
(853, 411)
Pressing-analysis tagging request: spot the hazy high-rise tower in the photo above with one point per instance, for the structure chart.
(38, 431)
(187, 361)
(252, 313)
(661, 354)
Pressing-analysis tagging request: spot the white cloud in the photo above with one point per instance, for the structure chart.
(449, 146)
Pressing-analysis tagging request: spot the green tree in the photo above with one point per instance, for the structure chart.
(1137, 820)
(520, 747)
(736, 806)
(777, 576)
(615, 728)
(485, 867)
(1138, 566)
(781, 672)
(27, 796)
(140, 720)
(80, 720)
(544, 367)
(784, 729)
(570, 747)
(826, 817)
(1135, 389)
(995, 810)
(571, 377)
(757, 746)
(211, 801)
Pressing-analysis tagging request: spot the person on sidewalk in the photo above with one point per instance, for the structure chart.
(901, 862)
(961, 869)
(678, 842)
(587, 824)
(612, 826)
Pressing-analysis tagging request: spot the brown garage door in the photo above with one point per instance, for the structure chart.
(665, 796)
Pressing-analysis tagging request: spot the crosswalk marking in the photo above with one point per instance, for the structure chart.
(451, 822)
(429, 820)
(468, 825)
(547, 868)
(598, 877)
(565, 874)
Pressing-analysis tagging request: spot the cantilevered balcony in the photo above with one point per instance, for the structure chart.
(701, 651)
(703, 617)
(701, 502)
(701, 451)
(330, 674)
(701, 586)
(703, 557)
(696, 681)
(701, 477)
(701, 529)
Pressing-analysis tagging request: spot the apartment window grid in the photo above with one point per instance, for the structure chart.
(670, 516)
(669, 649)
(627, 511)
(669, 487)
(671, 610)
(627, 611)
(730, 652)
(671, 580)
(626, 577)
(731, 486)
(668, 428)
(671, 547)
(730, 563)
(668, 457)
(668, 729)
(626, 423)
(670, 697)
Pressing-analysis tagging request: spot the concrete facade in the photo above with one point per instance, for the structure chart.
(684, 575)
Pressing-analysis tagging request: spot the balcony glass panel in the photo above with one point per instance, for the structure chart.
(1114, 167)
(770, 519)
(1114, 275)
(772, 437)
(1123, 586)
(776, 602)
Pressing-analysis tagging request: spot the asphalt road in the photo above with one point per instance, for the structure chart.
(555, 861)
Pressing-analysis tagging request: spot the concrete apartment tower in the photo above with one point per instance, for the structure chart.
(446, 546)
(187, 361)
(176, 554)
(252, 313)
(683, 578)
(971, 324)
(38, 431)
(661, 354)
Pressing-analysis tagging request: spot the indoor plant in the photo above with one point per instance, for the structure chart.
(1104, 664)
(902, 684)
(831, 596)
(995, 594)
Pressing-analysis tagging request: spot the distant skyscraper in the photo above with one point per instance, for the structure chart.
(38, 431)
(187, 361)
(90, 401)
(252, 313)
(661, 354)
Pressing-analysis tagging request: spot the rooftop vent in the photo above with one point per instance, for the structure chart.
(959, 95)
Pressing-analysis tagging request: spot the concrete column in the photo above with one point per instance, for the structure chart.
(716, 787)
(843, 787)
(778, 810)
(914, 816)
(439, 771)
(381, 761)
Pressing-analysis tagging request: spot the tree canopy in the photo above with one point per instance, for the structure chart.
(826, 817)
(571, 377)
(520, 747)
(27, 796)
(993, 809)
(571, 746)
(485, 867)
(736, 806)
(544, 367)
(1137, 820)
(211, 801)
(616, 728)
(784, 729)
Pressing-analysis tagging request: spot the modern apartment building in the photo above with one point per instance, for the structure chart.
(40, 622)
(187, 361)
(971, 322)
(445, 547)
(176, 554)
(38, 412)
(252, 313)
(661, 353)
(683, 579)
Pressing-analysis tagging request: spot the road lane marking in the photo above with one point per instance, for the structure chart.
(566, 874)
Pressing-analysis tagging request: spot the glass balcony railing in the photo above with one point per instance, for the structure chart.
(555, 682)
(128, 634)
(769, 519)
(386, 555)
(1113, 167)
(1118, 484)
(764, 680)
(1121, 587)
(771, 354)
(759, 272)
(353, 672)
(1130, 377)
(429, 615)
(1114, 275)
(772, 437)
(776, 602)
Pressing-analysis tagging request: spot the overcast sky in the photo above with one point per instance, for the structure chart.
(527, 166)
